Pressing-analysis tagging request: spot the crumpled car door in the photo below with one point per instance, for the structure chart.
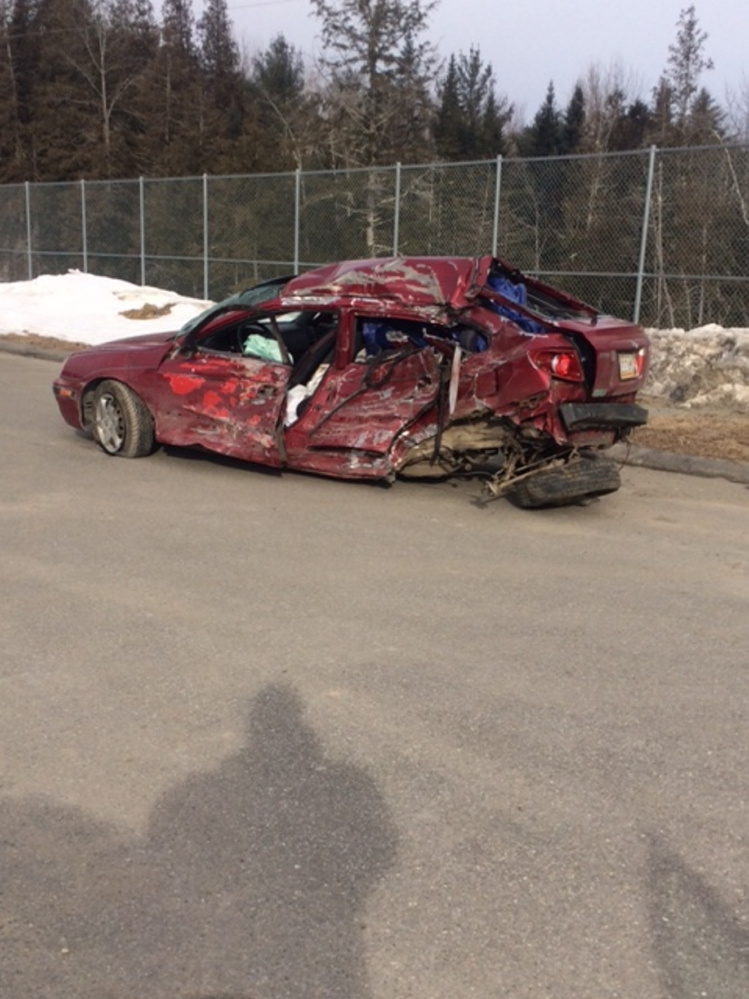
(223, 402)
(365, 406)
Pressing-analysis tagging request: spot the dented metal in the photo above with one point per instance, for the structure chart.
(420, 366)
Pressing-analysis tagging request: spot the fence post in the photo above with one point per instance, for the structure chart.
(297, 215)
(205, 236)
(142, 234)
(397, 210)
(29, 255)
(497, 191)
(644, 236)
(84, 233)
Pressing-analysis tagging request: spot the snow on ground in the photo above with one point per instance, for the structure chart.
(700, 367)
(83, 308)
(708, 366)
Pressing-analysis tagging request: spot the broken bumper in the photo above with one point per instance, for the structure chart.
(602, 415)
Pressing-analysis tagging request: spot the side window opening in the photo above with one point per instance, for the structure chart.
(225, 341)
(378, 336)
(300, 331)
(247, 338)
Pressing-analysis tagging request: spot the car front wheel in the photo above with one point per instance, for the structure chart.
(122, 424)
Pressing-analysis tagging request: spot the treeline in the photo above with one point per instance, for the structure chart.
(100, 89)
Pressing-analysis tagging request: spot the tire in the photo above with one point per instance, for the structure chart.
(580, 479)
(122, 425)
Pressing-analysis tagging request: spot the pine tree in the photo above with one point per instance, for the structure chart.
(219, 55)
(171, 101)
(287, 133)
(278, 72)
(663, 132)
(686, 63)
(448, 124)
(23, 49)
(544, 137)
(410, 125)
(119, 40)
(573, 125)
(630, 126)
(365, 58)
(137, 36)
(470, 120)
(15, 77)
(178, 27)
(677, 90)
(222, 89)
(706, 122)
(135, 19)
(475, 81)
(494, 120)
(64, 123)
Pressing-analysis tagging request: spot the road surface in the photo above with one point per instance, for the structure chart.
(278, 736)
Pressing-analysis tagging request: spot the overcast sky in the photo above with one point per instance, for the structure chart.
(532, 42)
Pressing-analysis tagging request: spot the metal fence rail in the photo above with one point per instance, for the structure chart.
(658, 235)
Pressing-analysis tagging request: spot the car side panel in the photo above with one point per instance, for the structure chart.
(225, 403)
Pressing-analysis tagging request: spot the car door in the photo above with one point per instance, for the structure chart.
(215, 394)
(365, 405)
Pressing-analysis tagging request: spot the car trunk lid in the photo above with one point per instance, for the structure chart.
(615, 355)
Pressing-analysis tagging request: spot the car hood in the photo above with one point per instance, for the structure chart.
(130, 353)
(144, 341)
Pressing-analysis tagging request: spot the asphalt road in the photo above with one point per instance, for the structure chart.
(278, 736)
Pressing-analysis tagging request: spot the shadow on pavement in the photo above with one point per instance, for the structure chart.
(251, 881)
(701, 947)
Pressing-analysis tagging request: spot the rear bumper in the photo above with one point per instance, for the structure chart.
(602, 415)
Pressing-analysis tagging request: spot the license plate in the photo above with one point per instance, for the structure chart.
(628, 366)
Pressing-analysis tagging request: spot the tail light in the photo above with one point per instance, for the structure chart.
(562, 364)
(641, 359)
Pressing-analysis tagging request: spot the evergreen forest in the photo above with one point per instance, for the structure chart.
(98, 89)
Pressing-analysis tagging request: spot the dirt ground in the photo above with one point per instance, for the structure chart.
(700, 432)
(36, 342)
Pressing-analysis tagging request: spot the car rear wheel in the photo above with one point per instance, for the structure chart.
(583, 478)
(122, 424)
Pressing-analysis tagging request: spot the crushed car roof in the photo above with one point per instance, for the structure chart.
(412, 281)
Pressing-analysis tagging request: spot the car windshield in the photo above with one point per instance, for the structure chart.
(258, 295)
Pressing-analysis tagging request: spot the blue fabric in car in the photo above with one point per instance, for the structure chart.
(376, 335)
(516, 293)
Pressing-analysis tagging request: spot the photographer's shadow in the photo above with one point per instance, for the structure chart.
(251, 881)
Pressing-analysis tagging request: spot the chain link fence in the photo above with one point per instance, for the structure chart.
(661, 236)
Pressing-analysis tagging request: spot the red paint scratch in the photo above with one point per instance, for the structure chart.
(184, 384)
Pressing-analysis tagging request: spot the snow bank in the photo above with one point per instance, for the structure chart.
(708, 366)
(84, 308)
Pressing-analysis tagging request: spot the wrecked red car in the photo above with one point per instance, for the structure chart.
(370, 369)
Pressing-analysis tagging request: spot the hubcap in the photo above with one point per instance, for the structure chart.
(110, 424)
